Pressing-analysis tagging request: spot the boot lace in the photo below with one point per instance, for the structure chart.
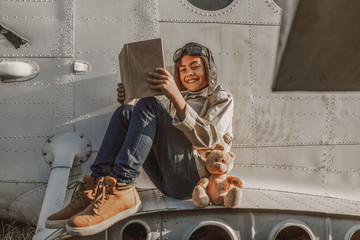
(100, 194)
(78, 191)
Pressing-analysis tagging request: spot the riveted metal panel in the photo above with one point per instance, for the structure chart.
(243, 155)
(243, 127)
(35, 173)
(26, 206)
(183, 11)
(261, 198)
(262, 55)
(345, 157)
(289, 121)
(31, 112)
(102, 28)
(264, 12)
(176, 225)
(344, 184)
(93, 111)
(341, 226)
(13, 190)
(303, 179)
(293, 156)
(47, 24)
(44, 104)
(151, 221)
(106, 26)
(280, 118)
(239, 11)
(265, 223)
(344, 118)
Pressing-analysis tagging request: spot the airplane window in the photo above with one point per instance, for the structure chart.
(210, 233)
(134, 231)
(355, 235)
(293, 232)
(211, 5)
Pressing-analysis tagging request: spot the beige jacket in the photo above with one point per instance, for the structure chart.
(208, 121)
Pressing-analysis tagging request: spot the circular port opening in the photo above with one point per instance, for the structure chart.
(210, 233)
(355, 235)
(291, 229)
(134, 231)
(210, 230)
(293, 232)
(211, 5)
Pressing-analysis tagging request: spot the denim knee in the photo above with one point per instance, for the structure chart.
(124, 110)
(147, 102)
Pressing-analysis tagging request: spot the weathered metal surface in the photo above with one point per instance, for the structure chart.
(262, 199)
(245, 224)
(292, 148)
(48, 25)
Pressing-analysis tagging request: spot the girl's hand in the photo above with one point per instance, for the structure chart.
(120, 93)
(162, 80)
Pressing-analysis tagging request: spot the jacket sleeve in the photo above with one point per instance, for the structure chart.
(208, 130)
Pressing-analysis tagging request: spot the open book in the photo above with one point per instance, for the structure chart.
(136, 60)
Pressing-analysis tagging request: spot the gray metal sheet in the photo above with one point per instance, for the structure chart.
(303, 179)
(48, 25)
(239, 11)
(42, 103)
(152, 200)
(100, 36)
(307, 156)
(261, 199)
(11, 160)
(100, 27)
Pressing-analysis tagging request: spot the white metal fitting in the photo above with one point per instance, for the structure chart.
(72, 144)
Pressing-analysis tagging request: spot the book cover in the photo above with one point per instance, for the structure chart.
(136, 60)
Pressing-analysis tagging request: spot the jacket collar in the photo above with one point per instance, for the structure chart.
(201, 93)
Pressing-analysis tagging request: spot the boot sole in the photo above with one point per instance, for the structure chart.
(91, 230)
(53, 224)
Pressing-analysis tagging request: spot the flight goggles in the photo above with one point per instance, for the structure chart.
(192, 49)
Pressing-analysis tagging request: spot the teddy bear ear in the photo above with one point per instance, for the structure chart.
(219, 147)
(207, 153)
(232, 155)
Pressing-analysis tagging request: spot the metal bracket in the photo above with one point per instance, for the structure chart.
(81, 67)
(61, 152)
(13, 37)
(83, 145)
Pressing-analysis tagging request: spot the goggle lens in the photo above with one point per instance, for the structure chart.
(191, 50)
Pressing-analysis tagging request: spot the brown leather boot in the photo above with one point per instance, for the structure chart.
(81, 198)
(113, 202)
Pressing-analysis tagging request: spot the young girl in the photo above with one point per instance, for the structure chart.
(164, 142)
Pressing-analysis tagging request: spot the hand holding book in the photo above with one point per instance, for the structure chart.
(162, 80)
(143, 74)
(121, 95)
(136, 60)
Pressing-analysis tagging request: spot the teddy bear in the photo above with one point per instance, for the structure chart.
(218, 188)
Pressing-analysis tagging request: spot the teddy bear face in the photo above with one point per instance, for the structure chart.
(218, 162)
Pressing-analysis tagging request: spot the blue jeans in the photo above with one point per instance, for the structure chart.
(143, 135)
